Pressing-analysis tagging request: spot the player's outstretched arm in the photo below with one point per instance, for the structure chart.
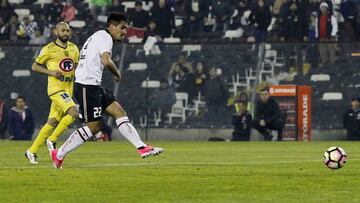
(41, 69)
(109, 64)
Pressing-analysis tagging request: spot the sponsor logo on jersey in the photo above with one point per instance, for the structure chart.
(66, 65)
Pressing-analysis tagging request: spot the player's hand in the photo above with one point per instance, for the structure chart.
(56, 74)
(262, 123)
(117, 78)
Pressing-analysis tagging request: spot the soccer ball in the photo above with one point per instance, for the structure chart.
(335, 157)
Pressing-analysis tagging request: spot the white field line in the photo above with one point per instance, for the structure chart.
(169, 164)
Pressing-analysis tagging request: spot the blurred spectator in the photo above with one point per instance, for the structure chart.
(116, 7)
(21, 121)
(351, 120)
(194, 14)
(138, 17)
(175, 75)
(357, 22)
(5, 9)
(294, 29)
(187, 83)
(328, 31)
(3, 120)
(162, 99)
(182, 62)
(39, 38)
(313, 31)
(53, 11)
(243, 98)
(222, 12)
(241, 121)
(346, 32)
(164, 18)
(27, 29)
(152, 31)
(201, 76)
(239, 18)
(346, 35)
(9, 29)
(260, 19)
(268, 116)
(3, 36)
(216, 96)
(294, 26)
(278, 7)
(99, 4)
(69, 11)
(312, 54)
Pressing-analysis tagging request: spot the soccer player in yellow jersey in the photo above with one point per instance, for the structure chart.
(58, 60)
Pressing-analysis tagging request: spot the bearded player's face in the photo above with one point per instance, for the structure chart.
(63, 33)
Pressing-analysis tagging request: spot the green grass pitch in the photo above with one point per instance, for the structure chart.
(185, 172)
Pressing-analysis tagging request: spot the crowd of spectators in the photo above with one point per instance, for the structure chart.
(255, 20)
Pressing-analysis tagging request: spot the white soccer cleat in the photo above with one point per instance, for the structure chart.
(31, 157)
(149, 150)
(50, 145)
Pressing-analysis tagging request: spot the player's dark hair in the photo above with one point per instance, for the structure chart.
(116, 18)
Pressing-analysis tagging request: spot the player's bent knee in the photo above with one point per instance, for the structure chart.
(73, 112)
(94, 127)
(53, 122)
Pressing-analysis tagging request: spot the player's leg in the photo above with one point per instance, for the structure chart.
(44, 133)
(89, 100)
(129, 132)
(76, 139)
(65, 104)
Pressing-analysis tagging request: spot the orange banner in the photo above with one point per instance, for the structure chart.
(304, 113)
(283, 90)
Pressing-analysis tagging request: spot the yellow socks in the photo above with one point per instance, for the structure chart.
(64, 123)
(40, 139)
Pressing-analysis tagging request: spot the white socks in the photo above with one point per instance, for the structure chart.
(129, 132)
(83, 134)
(76, 139)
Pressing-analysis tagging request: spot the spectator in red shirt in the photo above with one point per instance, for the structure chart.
(328, 30)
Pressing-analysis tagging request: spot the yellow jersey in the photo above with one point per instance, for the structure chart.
(57, 58)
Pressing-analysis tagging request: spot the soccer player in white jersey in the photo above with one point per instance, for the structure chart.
(93, 99)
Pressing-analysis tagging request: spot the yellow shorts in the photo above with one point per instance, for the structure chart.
(60, 103)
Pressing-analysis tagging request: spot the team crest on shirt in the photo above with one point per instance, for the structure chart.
(66, 65)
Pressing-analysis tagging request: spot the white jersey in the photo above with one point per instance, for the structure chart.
(89, 70)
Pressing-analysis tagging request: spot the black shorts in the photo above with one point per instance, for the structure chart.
(93, 100)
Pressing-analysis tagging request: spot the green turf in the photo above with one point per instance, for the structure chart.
(186, 172)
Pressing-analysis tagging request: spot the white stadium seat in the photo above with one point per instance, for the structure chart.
(320, 77)
(150, 84)
(134, 40)
(128, 4)
(21, 73)
(332, 96)
(77, 23)
(137, 66)
(234, 33)
(22, 11)
(102, 18)
(2, 55)
(171, 40)
(178, 110)
(16, 1)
